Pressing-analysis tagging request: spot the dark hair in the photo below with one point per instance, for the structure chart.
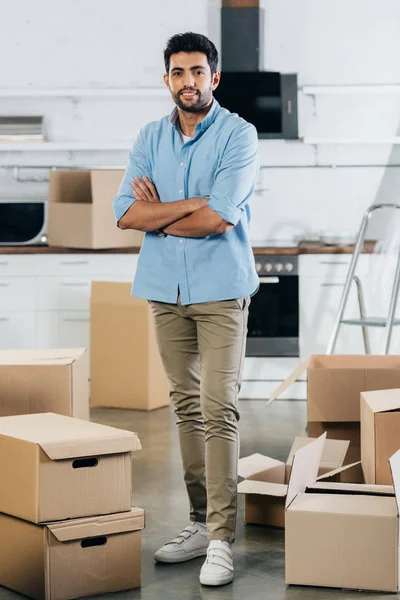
(191, 42)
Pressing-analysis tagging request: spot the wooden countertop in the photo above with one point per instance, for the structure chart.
(302, 248)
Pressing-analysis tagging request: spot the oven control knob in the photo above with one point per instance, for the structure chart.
(289, 267)
(279, 267)
(268, 267)
(258, 267)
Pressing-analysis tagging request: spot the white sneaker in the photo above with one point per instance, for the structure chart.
(218, 568)
(190, 543)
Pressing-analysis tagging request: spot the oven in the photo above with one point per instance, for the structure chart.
(273, 326)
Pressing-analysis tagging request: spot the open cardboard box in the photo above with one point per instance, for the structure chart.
(339, 534)
(265, 480)
(72, 559)
(54, 467)
(34, 381)
(334, 384)
(380, 434)
(80, 210)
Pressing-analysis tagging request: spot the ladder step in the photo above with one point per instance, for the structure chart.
(369, 322)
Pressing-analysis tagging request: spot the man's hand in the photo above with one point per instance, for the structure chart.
(144, 190)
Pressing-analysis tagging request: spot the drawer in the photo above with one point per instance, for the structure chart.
(68, 293)
(269, 368)
(17, 293)
(63, 293)
(16, 265)
(17, 330)
(329, 266)
(87, 264)
(261, 390)
(65, 329)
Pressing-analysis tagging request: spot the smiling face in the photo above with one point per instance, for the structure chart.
(190, 81)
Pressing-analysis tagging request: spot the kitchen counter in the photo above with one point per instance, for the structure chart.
(302, 248)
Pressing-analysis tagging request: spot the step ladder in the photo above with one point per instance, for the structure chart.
(389, 322)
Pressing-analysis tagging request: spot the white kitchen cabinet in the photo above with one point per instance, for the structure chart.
(17, 293)
(63, 329)
(17, 330)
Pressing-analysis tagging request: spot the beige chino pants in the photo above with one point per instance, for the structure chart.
(202, 349)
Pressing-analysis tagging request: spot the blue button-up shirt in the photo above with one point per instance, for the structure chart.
(219, 162)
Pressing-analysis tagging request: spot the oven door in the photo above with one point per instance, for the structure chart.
(273, 326)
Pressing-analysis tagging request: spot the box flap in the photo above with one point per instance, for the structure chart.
(263, 488)
(333, 455)
(288, 382)
(306, 463)
(77, 529)
(395, 469)
(352, 488)
(63, 437)
(256, 467)
(383, 400)
(331, 474)
(60, 356)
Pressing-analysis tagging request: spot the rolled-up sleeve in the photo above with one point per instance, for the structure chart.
(236, 175)
(138, 166)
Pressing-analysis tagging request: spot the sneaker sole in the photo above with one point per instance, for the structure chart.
(214, 581)
(168, 557)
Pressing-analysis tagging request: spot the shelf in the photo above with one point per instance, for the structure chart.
(82, 92)
(65, 147)
(389, 141)
(314, 90)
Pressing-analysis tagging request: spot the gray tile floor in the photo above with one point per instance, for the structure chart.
(158, 488)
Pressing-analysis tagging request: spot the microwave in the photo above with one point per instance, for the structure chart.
(23, 223)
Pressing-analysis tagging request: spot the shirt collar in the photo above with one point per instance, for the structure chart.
(204, 123)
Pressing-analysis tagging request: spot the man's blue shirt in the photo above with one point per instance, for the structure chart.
(220, 162)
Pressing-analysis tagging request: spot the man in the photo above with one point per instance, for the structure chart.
(193, 175)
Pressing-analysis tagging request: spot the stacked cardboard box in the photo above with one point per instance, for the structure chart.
(126, 369)
(340, 534)
(334, 384)
(67, 528)
(35, 381)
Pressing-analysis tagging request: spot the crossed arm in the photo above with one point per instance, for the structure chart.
(183, 218)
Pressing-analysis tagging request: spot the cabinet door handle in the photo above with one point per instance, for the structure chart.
(269, 279)
(4, 319)
(332, 284)
(4, 285)
(4, 263)
(68, 320)
(74, 262)
(73, 284)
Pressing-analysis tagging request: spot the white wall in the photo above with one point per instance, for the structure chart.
(98, 44)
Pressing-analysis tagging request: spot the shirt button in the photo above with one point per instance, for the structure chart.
(181, 241)
(182, 164)
(181, 191)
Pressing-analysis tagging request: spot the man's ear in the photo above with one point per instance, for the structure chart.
(216, 79)
(166, 80)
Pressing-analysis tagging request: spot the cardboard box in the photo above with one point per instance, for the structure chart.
(82, 557)
(80, 210)
(265, 481)
(380, 434)
(334, 384)
(126, 368)
(34, 381)
(54, 467)
(341, 535)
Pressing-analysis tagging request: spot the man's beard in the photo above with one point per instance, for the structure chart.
(203, 99)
